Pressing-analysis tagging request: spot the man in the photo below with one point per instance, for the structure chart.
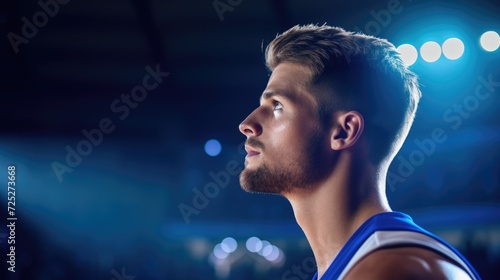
(336, 110)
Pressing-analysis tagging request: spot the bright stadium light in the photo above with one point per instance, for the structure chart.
(453, 48)
(490, 41)
(408, 53)
(430, 51)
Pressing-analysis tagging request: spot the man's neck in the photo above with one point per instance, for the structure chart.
(331, 212)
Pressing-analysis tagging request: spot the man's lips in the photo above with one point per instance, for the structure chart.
(251, 151)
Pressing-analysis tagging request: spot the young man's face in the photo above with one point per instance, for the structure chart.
(285, 143)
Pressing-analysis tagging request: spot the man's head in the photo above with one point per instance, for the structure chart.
(339, 89)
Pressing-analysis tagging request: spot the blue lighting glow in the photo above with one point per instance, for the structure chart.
(213, 147)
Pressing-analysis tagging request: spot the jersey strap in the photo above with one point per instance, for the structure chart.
(389, 229)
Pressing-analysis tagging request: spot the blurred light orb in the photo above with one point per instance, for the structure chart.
(213, 147)
(254, 244)
(453, 48)
(430, 51)
(263, 248)
(274, 254)
(266, 251)
(490, 41)
(229, 245)
(219, 253)
(408, 53)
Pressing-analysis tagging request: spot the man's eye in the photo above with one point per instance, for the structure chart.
(277, 105)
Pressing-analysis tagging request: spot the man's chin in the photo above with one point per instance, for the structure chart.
(252, 181)
(253, 189)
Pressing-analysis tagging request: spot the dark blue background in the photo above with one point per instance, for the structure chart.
(119, 207)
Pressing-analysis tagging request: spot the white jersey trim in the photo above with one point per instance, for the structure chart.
(387, 238)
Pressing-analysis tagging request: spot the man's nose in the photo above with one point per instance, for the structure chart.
(250, 126)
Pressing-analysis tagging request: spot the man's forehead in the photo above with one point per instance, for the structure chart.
(297, 95)
(287, 78)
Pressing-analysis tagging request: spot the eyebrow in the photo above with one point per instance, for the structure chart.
(285, 94)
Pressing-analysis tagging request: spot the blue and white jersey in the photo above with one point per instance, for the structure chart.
(390, 229)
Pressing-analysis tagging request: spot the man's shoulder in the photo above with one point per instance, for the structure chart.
(406, 263)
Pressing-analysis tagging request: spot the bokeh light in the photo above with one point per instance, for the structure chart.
(266, 251)
(453, 48)
(219, 252)
(229, 245)
(213, 147)
(265, 243)
(274, 254)
(490, 41)
(430, 51)
(254, 244)
(408, 53)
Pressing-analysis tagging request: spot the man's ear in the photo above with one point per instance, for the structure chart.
(346, 130)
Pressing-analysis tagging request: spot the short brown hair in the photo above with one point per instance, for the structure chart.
(359, 72)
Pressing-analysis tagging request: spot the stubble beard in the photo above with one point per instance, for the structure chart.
(289, 175)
